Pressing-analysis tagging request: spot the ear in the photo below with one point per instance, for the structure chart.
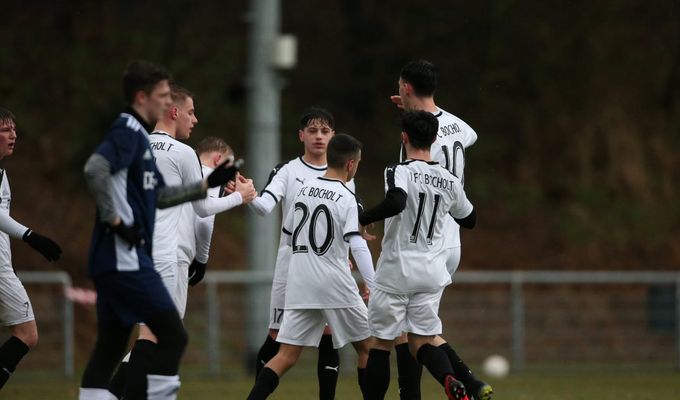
(140, 97)
(404, 138)
(300, 133)
(174, 112)
(217, 157)
(408, 88)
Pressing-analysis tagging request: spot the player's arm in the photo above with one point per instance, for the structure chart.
(40, 243)
(358, 246)
(362, 258)
(462, 209)
(287, 226)
(169, 196)
(203, 229)
(394, 201)
(273, 191)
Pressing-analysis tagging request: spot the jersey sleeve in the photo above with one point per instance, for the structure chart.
(119, 148)
(287, 226)
(461, 207)
(396, 177)
(470, 136)
(351, 226)
(277, 184)
(190, 167)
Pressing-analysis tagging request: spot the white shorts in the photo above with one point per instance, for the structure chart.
(180, 295)
(168, 270)
(15, 307)
(391, 314)
(305, 327)
(452, 260)
(276, 305)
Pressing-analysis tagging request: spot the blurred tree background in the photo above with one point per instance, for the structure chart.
(576, 104)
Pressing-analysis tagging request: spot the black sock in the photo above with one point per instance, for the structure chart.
(119, 380)
(327, 368)
(435, 360)
(138, 367)
(460, 370)
(361, 375)
(268, 350)
(265, 384)
(11, 352)
(410, 372)
(377, 374)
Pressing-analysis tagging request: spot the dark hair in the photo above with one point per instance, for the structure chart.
(341, 149)
(422, 75)
(6, 117)
(142, 75)
(421, 128)
(316, 114)
(212, 143)
(180, 93)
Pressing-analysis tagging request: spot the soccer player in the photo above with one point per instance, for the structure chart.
(417, 85)
(179, 165)
(194, 244)
(128, 188)
(316, 130)
(16, 312)
(411, 273)
(322, 225)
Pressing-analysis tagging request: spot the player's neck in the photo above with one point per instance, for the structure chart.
(418, 154)
(167, 128)
(142, 113)
(318, 161)
(207, 161)
(424, 104)
(332, 173)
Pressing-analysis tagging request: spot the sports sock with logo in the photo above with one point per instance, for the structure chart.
(410, 372)
(327, 368)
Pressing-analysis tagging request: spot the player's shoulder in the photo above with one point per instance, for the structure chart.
(282, 166)
(127, 123)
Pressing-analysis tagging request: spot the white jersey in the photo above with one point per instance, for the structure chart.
(453, 137)
(179, 164)
(284, 183)
(193, 244)
(413, 257)
(324, 215)
(5, 200)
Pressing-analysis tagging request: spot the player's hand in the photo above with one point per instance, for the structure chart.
(365, 233)
(44, 245)
(196, 272)
(130, 234)
(246, 189)
(224, 173)
(366, 293)
(396, 99)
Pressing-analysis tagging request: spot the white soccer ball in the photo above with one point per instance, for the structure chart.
(496, 366)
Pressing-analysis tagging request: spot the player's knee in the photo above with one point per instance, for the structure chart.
(28, 334)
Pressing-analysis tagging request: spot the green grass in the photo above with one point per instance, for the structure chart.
(552, 385)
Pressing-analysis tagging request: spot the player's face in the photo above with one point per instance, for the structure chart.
(316, 136)
(158, 101)
(8, 137)
(405, 93)
(186, 118)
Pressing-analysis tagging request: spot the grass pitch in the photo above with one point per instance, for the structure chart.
(602, 384)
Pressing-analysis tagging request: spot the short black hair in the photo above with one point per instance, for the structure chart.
(342, 148)
(142, 75)
(422, 75)
(6, 117)
(421, 128)
(316, 114)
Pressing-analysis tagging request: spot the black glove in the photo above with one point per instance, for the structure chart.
(223, 173)
(196, 272)
(44, 245)
(130, 234)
